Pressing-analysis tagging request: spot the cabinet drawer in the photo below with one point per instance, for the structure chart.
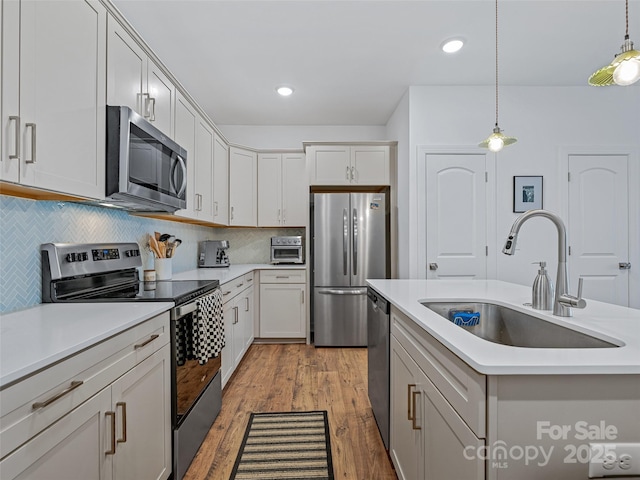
(33, 404)
(233, 287)
(463, 387)
(283, 276)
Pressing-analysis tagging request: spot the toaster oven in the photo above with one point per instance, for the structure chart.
(287, 250)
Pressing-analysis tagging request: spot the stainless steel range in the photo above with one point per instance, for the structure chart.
(109, 273)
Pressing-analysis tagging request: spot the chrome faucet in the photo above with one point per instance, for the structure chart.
(562, 301)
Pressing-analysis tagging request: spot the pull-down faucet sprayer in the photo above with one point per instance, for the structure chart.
(562, 301)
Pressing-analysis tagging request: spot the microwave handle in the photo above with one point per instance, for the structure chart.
(183, 167)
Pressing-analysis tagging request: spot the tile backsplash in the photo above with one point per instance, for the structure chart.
(26, 224)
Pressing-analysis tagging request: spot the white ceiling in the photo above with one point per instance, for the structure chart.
(351, 61)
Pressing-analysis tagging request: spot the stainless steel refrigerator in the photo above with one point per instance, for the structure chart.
(350, 245)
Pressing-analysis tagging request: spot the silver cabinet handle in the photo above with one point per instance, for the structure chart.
(282, 276)
(123, 405)
(347, 176)
(353, 175)
(145, 105)
(624, 266)
(302, 295)
(226, 293)
(16, 154)
(237, 315)
(355, 241)
(433, 266)
(284, 216)
(32, 126)
(246, 308)
(413, 402)
(345, 240)
(215, 209)
(152, 109)
(231, 213)
(75, 384)
(146, 342)
(250, 279)
(112, 450)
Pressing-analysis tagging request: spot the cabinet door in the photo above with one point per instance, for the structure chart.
(295, 191)
(406, 439)
(10, 91)
(446, 437)
(282, 311)
(142, 402)
(186, 118)
(126, 69)
(220, 181)
(204, 170)
(249, 317)
(243, 176)
(270, 190)
(73, 447)
(228, 365)
(162, 96)
(329, 164)
(370, 165)
(62, 92)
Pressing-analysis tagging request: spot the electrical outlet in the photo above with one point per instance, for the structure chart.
(614, 460)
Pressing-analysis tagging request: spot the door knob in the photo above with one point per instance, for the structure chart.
(624, 266)
(433, 266)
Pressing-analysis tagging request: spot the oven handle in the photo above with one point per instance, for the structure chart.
(181, 311)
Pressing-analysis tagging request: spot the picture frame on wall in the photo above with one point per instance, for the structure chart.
(527, 193)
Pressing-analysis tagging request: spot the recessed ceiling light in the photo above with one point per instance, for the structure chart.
(452, 46)
(284, 91)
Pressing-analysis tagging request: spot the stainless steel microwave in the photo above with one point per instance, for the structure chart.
(146, 170)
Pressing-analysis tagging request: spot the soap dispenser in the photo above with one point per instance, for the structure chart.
(542, 293)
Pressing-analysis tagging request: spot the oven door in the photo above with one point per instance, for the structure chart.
(282, 254)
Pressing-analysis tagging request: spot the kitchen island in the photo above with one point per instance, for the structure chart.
(464, 407)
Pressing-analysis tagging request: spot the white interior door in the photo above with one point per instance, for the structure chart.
(456, 216)
(598, 226)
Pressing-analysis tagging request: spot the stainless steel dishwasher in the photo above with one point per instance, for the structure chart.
(378, 335)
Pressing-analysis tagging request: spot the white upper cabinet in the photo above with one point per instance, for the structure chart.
(204, 170)
(134, 80)
(243, 187)
(185, 136)
(220, 181)
(282, 190)
(348, 164)
(53, 91)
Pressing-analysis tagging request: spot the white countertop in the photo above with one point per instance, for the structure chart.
(227, 274)
(37, 337)
(616, 324)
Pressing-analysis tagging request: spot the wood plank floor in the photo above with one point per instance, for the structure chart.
(279, 378)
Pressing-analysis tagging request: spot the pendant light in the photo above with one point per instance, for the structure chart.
(497, 139)
(625, 67)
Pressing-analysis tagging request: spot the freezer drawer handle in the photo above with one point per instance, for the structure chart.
(334, 291)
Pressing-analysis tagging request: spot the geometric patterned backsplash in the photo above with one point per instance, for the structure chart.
(26, 224)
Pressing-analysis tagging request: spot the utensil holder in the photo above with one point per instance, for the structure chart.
(163, 268)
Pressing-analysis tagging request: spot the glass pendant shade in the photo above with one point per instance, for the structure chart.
(624, 69)
(497, 140)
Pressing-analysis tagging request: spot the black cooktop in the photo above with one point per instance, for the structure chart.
(178, 291)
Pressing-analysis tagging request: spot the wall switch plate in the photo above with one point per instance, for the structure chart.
(614, 460)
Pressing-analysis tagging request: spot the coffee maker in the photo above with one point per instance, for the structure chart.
(213, 253)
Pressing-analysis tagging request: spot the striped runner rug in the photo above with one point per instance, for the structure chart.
(291, 445)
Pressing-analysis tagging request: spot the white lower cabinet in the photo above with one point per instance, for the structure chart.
(238, 315)
(283, 304)
(429, 439)
(112, 421)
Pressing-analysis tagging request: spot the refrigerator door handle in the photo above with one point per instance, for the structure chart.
(340, 291)
(345, 240)
(355, 241)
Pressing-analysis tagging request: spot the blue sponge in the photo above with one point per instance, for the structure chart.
(465, 319)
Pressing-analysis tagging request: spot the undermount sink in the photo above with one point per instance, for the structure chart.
(503, 325)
